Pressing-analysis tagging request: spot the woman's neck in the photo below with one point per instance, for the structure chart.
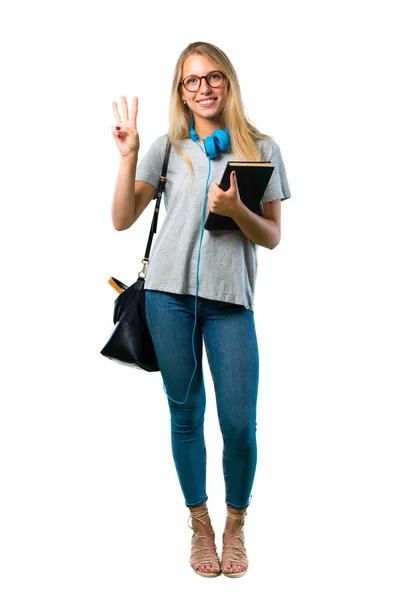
(205, 127)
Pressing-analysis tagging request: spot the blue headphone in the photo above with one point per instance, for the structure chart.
(218, 140)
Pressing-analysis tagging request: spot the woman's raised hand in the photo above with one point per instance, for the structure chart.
(128, 142)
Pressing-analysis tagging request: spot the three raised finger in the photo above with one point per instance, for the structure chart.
(117, 117)
(134, 111)
(124, 108)
(125, 114)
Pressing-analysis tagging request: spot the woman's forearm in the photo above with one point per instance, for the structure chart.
(123, 207)
(264, 232)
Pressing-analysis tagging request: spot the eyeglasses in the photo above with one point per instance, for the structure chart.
(192, 83)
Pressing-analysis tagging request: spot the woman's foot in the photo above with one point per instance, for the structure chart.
(234, 561)
(204, 558)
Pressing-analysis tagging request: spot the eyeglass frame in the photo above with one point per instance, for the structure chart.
(204, 77)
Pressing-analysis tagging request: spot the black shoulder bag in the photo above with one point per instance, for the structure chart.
(130, 341)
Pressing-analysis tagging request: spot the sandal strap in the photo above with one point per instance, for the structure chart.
(203, 555)
(237, 517)
(197, 516)
(234, 554)
(231, 554)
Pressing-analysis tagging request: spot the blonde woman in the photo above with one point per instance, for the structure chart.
(200, 284)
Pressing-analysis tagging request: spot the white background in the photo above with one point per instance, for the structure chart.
(90, 503)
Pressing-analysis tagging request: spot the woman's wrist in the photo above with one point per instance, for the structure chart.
(129, 158)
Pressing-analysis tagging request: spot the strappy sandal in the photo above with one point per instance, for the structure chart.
(234, 555)
(201, 556)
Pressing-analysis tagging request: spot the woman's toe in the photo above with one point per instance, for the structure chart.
(228, 569)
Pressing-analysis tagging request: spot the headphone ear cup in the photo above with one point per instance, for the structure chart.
(210, 147)
(222, 139)
(218, 140)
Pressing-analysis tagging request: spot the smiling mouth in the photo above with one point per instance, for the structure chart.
(207, 102)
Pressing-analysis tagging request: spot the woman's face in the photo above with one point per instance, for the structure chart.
(200, 65)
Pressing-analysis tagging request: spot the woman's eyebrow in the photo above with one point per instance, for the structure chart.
(194, 74)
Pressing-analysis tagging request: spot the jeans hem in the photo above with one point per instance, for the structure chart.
(197, 503)
(236, 506)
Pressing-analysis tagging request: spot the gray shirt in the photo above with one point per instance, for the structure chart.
(228, 259)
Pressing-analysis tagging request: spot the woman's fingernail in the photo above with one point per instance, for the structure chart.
(119, 136)
(117, 128)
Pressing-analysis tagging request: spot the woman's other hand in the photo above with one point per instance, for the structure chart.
(125, 131)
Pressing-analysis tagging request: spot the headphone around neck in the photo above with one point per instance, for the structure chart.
(218, 140)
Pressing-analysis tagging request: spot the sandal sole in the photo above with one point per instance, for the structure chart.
(206, 574)
(234, 574)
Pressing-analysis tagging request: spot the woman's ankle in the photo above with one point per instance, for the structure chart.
(235, 520)
(201, 522)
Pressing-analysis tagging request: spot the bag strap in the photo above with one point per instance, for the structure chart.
(159, 193)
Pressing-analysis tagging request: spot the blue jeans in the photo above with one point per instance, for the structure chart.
(232, 351)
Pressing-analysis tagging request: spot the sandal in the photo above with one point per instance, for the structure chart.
(201, 556)
(231, 554)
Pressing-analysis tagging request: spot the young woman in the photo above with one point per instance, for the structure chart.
(200, 283)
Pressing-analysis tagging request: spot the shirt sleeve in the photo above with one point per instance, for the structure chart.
(278, 185)
(150, 166)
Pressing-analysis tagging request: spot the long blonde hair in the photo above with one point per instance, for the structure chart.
(243, 134)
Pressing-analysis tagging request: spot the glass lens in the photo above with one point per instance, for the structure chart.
(214, 79)
(191, 83)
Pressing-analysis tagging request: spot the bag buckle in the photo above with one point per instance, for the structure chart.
(142, 273)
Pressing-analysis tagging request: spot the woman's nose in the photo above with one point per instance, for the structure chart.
(206, 85)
